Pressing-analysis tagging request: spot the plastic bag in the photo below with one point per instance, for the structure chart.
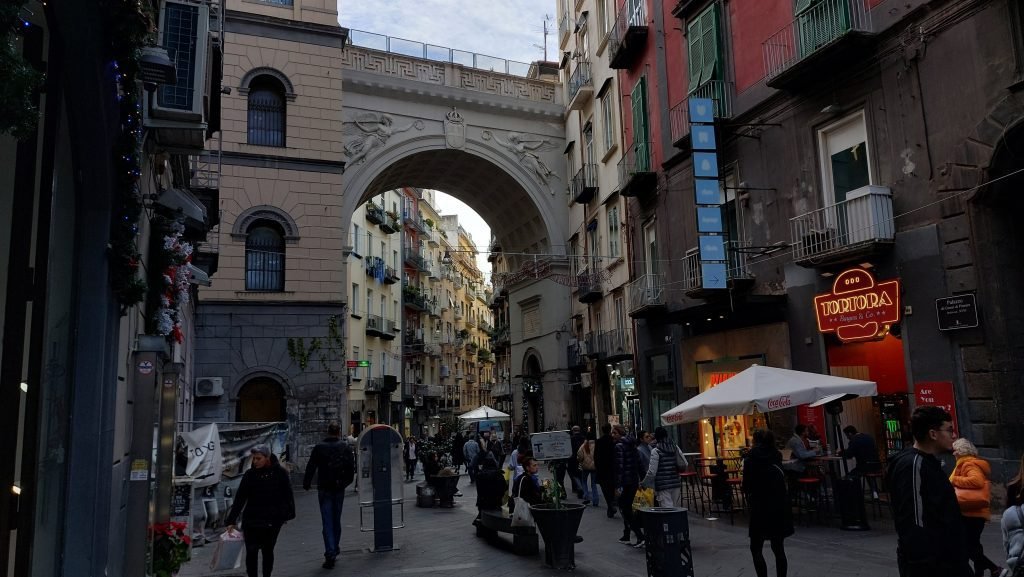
(644, 498)
(228, 554)
(521, 515)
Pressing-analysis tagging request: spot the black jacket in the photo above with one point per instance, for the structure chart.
(604, 459)
(627, 463)
(929, 526)
(318, 460)
(264, 499)
(576, 440)
(764, 483)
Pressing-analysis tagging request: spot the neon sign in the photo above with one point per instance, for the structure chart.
(858, 308)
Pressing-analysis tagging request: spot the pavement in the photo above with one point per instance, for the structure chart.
(442, 541)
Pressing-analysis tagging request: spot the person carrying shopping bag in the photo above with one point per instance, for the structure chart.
(265, 503)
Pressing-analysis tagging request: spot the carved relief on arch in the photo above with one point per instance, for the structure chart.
(289, 90)
(264, 212)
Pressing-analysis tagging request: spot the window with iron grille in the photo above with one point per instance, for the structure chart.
(264, 258)
(267, 112)
(181, 22)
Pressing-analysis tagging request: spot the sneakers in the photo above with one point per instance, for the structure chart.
(328, 563)
(639, 544)
(625, 540)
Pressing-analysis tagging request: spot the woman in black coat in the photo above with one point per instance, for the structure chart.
(265, 502)
(771, 518)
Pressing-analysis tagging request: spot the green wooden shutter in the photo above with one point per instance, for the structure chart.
(709, 44)
(802, 5)
(695, 53)
(640, 129)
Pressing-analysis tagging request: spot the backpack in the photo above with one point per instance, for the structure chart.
(341, 466)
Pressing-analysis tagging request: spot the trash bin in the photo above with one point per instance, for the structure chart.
(852, 516)
(668, 542)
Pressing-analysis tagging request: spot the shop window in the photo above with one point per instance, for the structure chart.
(845, 158)
(264, 257)
(267, 112)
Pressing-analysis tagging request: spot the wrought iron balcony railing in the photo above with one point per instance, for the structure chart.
(719, 91)
(584, 184)
(637, 175)
(581, 85)
(628, 34)
(646, 295)
(857, 226)
(813, 29)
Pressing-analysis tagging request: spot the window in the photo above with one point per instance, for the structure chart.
(651, 248)
(369, 301)
(355, 355)
(703, 50)
(356, 238)
(641, 133)
(845, 158)
(620, 313)
(264, 257)
(594, 242)
(614, 235)
(608, 120)
(588, 144)
(355, 299)
(267, 112)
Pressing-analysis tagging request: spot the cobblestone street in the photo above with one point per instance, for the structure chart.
(442, 541)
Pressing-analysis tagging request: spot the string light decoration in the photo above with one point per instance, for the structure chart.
(19, 109)
(131, 25)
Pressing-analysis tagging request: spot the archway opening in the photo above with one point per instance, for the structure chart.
(261, 400)
(533, 394)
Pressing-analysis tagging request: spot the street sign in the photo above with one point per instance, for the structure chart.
(702, 137)
(705, 165)
(707, 191)
(957, 312)
(713, 275)
(355, 364)
(712, 248)
(551, 445)
(709, 219)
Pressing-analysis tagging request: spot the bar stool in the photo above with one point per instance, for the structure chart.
(873, 482)
(808, 495)
(691, 489)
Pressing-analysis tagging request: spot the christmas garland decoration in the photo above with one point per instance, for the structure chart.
(131, 25)
(19, 113)
(171, 258)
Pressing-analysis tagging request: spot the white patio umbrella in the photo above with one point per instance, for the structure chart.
(765, 389)
(484, 413)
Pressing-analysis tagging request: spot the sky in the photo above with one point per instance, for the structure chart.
(513, 30)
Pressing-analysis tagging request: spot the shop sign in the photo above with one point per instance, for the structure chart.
(858, 308)
(959, 312)
(551, 445)
(627, 383)
(939, 394)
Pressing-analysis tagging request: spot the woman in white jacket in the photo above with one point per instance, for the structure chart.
(1013, 539)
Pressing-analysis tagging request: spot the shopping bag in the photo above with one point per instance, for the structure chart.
(228, 554)
(644, 498)
(521, 516)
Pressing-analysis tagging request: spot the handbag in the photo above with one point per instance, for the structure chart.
(521, 515)
(643, 499)
(228, 553)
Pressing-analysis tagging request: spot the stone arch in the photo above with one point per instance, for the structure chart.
(274, 373)
(248, 77)
(273, 214)
(261, 399)
(514, 192)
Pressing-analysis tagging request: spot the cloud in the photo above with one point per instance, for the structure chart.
(506, 30)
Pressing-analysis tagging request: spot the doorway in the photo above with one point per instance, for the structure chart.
(261, 400)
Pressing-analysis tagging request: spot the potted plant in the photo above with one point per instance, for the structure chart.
(170, 548)
(557, 522)
(430, 223)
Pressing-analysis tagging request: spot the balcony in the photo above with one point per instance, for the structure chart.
(719, 91)
(413, 345)
(375, 326)
(501, 390)
(500, 338)
(637, 175)
(391, 223)
(565, 25)
(375, 213)
(470, 378)
(592, 345)
(414, 258)
(390, 275)
(391, 330)
(615, 344)
(581, 86)
(574, 357)
(458, 312)
(827, 35)
(470, 323)
(584, 184)
(628, 35)
(646, 296)
(736, 271)
(375, 267)
(435, 272)
(431, 391)
(414, 299)
(588, 287)
(859, 227)
(374, 384)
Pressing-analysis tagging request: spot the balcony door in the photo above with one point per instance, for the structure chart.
(641, 131)
(845, 157)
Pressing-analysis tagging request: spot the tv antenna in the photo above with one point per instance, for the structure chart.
(544, 47)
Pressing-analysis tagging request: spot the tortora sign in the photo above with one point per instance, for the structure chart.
(858, 308)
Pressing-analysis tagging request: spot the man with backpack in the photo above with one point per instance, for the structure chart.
(335, 461)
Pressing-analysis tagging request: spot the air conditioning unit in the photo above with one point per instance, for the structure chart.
(582, 348)
(209, 386)
(585, 380)
(177, 113)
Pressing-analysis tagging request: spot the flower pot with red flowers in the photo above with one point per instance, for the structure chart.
(169, 549)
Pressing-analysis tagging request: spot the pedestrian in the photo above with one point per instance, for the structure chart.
(1013, 540)
(604, 461)
(970, 480)
(491, 487)
(333, 463)
(588, 471)
(644, 441)
(662, 474)
(470, 449)
(1015, 488)
(494, 446)
(576, 440)
(771, 518)
(627, 481)
(457, 457)
(526, 489)
(929, 528)
(409, 453)
(862, 449)
(265, 503)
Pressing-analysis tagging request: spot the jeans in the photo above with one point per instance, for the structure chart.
(331, 503)
(590, 487)
(629, 519)
(259, 539)
(410, 469)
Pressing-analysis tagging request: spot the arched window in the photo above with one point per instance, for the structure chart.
(264, 257)
(267, 112)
